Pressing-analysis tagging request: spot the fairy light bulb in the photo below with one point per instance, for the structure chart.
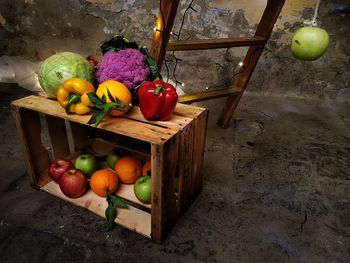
(183, 84)
(240, 64)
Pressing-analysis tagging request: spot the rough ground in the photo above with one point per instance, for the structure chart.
(276, 189)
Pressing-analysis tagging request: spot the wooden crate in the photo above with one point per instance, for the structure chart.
(175, 147)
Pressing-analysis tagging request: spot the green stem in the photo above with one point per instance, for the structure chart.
(158, 89)
(73, 99)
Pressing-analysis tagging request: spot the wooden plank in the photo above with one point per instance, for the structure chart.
(185, 167)
(265, 27)
(130, 218)
(164, 162)
(189, 110)
(138, 130)
(36, 157)
(199, 44)
(164, 24)
(58, 136)
(208, 95)
(176, 122)
(198, 152)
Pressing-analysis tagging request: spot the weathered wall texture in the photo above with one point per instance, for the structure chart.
(37, 28)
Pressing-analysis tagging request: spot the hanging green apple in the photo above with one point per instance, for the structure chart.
(309, 43)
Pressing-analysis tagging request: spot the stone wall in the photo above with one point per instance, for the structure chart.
(36, 29)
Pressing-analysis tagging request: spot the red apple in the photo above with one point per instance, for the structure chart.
(73, 183)
(58, 167)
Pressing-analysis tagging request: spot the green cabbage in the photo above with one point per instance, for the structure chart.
(60, 67)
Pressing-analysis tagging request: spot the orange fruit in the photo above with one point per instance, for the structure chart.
(128, 169)
(104, 182)
(118, 90)
(146, 169)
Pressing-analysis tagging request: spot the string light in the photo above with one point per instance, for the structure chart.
(176, 59)
(177, 38)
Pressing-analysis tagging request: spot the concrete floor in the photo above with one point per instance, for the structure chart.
(276, 189)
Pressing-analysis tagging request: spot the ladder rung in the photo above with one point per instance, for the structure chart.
(214, 43)
(210, 94)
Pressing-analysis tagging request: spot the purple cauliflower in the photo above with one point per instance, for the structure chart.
(127, 66)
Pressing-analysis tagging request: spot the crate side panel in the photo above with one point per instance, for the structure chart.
(185, 167)
(198, 154)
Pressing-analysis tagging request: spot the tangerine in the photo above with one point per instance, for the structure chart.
(117, 90)
(104, 182)
(146, 169)
(128, 169)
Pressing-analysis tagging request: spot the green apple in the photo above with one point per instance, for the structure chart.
(113, 156)
(309, 43)
(143, 189)
(86, 163)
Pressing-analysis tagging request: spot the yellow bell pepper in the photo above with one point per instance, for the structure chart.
(72, 95)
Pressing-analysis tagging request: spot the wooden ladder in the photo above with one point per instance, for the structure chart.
(160, 44)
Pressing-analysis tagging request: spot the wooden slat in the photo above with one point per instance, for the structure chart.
(176, 122)
(208, 95)
(198, 152)
(137, 130)
(36, 157)
(185, 167)
(188, 110)
(164, 160)
(199, 44)
(130, 218)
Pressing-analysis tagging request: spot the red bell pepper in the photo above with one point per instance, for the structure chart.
(157, 100)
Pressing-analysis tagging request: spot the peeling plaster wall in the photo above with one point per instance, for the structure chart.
(37, 28)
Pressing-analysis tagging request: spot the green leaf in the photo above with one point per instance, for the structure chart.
(103, 98)
(92, 120)
(117, 43)
(111, 215)
(94, 98)
(117, 202)
(97, 117)
(153, 66)
(110, 96)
